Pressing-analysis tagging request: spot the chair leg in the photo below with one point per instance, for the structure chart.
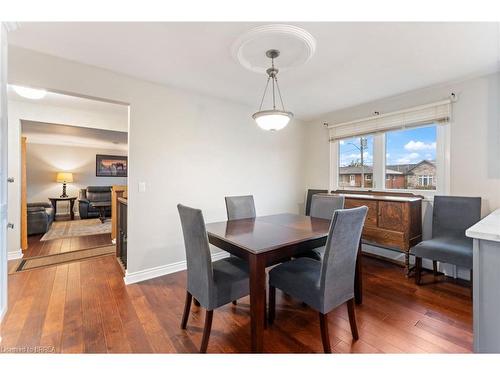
(471, 285)
(206, 331)
(187, 308)
(272, 304)
(435, 267)
(325, 337)
(235, 303)
(418, 270)
(196, 303)
(352, 319)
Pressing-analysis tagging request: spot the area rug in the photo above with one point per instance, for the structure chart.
(76, 228)
(71, 256)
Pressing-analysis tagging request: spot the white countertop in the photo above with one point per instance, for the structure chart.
(486, 229)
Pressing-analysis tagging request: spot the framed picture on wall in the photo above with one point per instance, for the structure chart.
(110, 166)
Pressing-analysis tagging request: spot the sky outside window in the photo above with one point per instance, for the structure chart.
(411, 145)
(350, 153)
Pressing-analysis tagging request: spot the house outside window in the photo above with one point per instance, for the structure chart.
(355, 161)
(411, 158)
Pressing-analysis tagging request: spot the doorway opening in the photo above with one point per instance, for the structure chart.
(68, 157)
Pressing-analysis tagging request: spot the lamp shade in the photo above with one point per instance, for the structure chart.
(64, 177)
(272, 120)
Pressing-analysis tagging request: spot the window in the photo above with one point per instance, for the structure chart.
(405, 149)
(410, 158)
(425, 180)
(356, 162)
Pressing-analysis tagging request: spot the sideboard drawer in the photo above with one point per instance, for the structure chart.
(384, 237)
(371, 216)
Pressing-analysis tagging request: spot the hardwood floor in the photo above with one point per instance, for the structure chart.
(40, 248)
(85, 307)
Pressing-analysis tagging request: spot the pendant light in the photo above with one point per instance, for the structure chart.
(272, 119)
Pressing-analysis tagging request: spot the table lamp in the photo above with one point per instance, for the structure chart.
(64, 178)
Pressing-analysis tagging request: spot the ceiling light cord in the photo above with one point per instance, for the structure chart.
(279, 94)
(265, 90)
(274, 79)
(272, 76)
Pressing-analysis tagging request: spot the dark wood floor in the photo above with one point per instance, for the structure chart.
(40, 248)
(85, 307)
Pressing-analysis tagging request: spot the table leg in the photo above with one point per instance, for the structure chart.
(358, 278)
(54, 205)
(71, 207)
(257, 301)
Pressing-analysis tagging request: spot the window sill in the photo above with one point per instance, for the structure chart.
(427, 194)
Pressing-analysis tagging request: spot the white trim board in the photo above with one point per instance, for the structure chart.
(151, 273)
(13, 255)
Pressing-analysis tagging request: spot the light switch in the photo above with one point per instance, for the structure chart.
(142, 187)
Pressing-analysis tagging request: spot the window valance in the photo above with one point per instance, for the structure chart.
(438, 112)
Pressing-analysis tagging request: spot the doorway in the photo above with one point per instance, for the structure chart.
(71, 157)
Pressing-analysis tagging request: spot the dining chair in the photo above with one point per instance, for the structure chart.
(323, 206)
(328, 283)
(240, 207)
(310, 194)
(213, 284)
(451, 216)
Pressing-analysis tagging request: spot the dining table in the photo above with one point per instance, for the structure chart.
(268, 240)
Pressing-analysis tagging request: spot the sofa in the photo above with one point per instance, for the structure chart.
(93, 194)
(40, 217)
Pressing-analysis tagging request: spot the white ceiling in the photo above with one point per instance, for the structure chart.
(353, 63)
(73, 102)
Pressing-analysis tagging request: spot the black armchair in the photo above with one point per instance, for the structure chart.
(40, 217)
(93, 194)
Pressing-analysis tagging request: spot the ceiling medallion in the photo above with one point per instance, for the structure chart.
(297, 46)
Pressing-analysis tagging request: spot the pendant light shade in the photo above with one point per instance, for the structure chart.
(272, 119)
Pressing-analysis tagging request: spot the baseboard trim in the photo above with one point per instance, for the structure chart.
(151, 273)
(13, 255)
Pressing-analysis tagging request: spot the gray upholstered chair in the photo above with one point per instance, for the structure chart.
(40, 216)
(326, 284)
(213, 284)
(240, 207)
(451, 216)
(310, 194)
(323, 206)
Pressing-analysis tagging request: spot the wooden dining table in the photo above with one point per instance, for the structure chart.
(265, 241)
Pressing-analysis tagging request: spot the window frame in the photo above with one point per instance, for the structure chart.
(379, 162)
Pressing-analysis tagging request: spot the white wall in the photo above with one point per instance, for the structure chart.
(474, 143)
(44, 161)
(186, 148)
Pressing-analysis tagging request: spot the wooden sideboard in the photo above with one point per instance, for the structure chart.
(393, 221)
